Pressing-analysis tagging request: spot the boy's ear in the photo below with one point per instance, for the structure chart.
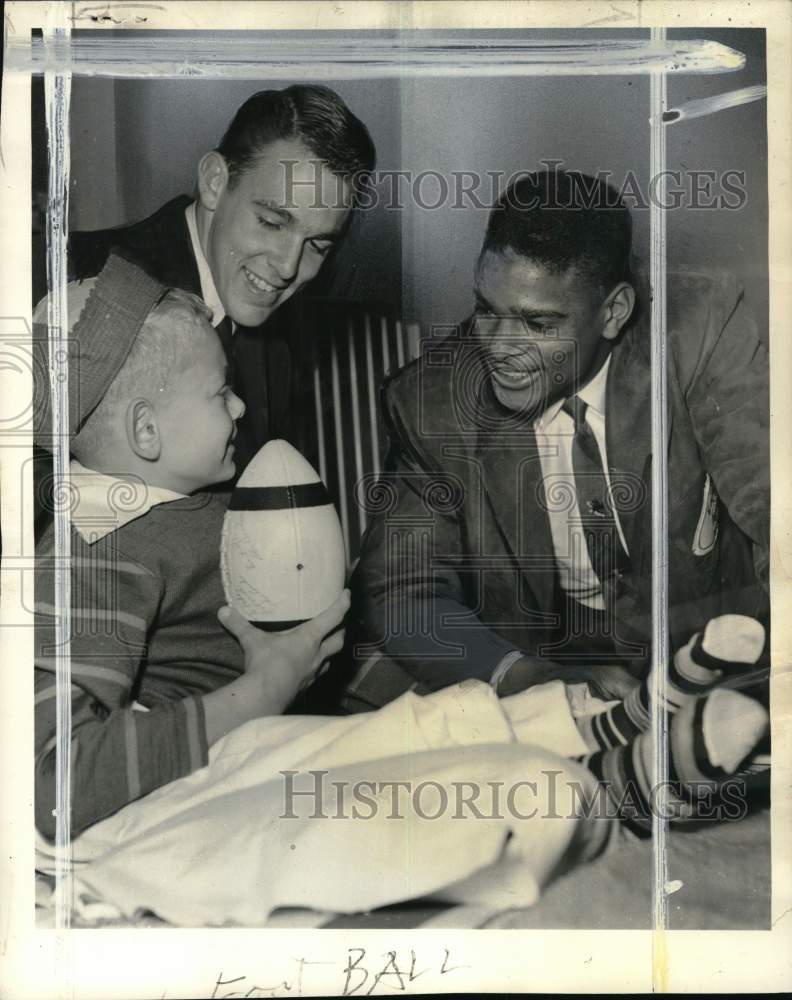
(212, 179)
(142, 430)
(618, 309)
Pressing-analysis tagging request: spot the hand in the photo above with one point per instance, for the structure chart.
(280, 664)
(609, 682)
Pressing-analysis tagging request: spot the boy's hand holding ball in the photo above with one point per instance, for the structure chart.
(278, 665)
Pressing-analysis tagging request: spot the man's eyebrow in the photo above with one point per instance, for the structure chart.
(542, 314)
(529, 314)
(273, 207)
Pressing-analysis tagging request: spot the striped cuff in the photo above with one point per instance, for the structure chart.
(197, 744)
(504, 667)
(163, 745)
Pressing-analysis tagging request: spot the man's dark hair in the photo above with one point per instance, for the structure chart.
(316, 116)
(561, 219)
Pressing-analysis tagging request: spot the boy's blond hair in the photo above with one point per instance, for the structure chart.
(161, 351)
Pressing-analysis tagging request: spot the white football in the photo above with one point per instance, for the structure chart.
(282, 553)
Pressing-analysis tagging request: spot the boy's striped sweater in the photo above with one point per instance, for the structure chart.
(144, 629)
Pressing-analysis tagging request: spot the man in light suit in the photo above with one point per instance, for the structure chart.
(512, 532)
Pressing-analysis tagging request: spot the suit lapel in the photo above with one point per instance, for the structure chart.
(182, 264)
(628, 437)
(512, 484)
(163, 241)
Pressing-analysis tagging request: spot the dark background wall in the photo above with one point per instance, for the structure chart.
(135, 144)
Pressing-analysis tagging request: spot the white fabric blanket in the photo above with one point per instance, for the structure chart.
(228, 844)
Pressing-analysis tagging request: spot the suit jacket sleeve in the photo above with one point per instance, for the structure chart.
(727, 398)
(406, 587)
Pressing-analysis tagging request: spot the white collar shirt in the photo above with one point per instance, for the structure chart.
(105, 503)
(208, 289)
(554, 436)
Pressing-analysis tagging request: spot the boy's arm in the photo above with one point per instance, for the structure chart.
(118, 754)
(277, 667)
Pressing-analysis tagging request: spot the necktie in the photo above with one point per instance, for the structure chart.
(225, 332)
(605, 550)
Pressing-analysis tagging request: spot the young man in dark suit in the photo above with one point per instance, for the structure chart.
(273, 199)
(513, 535)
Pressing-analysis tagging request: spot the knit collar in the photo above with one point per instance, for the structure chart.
(106, 503)
(209, 291)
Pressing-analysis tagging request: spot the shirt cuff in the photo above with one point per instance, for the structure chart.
(504, 667)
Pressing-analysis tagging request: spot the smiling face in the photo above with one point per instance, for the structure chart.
(267, 232)
(545, 334)
(197, 418)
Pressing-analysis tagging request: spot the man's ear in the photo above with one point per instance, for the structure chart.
(212, 179)
(618, 308)
(142, 430)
